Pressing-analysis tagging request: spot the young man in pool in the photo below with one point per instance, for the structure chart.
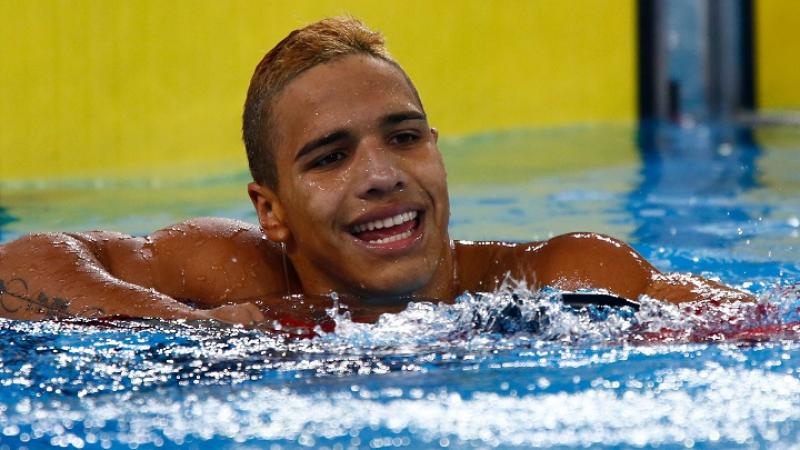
(351, 196)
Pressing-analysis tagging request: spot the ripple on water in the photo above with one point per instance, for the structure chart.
(511, 368)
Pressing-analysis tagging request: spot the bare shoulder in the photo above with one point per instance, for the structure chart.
(584, 244)
(214, 260)
(217, 230)
(483, 265)
(203, 237)
(580, 260)
(218, 242)
(208, 260)
(214, 226)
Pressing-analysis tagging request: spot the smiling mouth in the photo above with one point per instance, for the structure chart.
(388, 230)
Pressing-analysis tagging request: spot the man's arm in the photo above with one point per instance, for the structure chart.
(207, 261)
(106, 274)
(593, 261)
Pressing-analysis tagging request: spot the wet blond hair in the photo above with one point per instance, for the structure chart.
(317, 43)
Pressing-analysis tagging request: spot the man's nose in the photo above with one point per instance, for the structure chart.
(380, 172)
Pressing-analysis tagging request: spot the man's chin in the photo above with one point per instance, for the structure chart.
(393, 287)
(401, 268)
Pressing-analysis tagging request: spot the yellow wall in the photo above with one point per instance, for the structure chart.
(103, 87)
(778, 52)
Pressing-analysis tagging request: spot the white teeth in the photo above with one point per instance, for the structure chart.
(396, 237)
(386, 223)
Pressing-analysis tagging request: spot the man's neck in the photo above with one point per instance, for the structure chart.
(443, 285)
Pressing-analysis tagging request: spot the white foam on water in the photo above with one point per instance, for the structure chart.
(509, 368)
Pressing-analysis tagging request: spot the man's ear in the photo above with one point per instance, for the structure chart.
(270, 212)
(435, 134)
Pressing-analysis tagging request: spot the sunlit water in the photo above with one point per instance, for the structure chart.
(509, 369)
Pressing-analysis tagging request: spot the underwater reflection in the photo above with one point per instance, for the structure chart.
(689, 183)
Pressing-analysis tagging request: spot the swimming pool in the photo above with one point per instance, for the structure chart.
(719, 201)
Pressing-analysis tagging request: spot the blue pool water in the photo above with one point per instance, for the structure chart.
(477, 374)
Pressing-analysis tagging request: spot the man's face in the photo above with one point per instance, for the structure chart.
(361, 184)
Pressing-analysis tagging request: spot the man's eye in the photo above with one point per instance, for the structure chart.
(403, 138)
(328, 159)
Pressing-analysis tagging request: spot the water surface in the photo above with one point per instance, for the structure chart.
(487, 372)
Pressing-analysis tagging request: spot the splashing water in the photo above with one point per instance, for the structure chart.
(514, 368)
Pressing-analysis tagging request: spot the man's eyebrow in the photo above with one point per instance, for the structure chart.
(395, 118)
(388, 120)
(321, 142)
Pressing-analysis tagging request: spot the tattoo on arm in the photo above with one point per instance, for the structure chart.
(52, 307)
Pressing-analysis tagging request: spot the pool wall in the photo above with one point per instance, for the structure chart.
(777, 25)
(150, 89)
(93, 88)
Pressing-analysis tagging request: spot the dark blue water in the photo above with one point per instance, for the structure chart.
(714, 201)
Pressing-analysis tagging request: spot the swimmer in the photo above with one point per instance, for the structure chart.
(351, 196)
